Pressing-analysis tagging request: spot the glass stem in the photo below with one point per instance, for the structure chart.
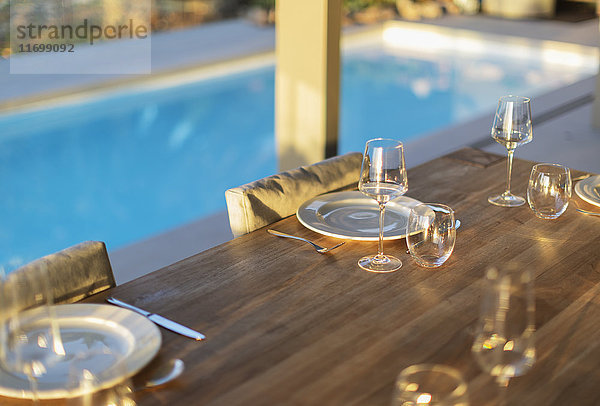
(380, 246)
(33, 385)
(503, 386)
(509, 170)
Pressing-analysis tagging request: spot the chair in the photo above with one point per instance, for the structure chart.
(76, 272)
(262, 202)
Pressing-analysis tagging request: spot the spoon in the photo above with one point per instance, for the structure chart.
(582, 177)
(590, 213)
(164, 373)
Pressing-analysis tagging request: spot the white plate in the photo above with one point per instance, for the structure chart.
(354, 216)
(589, 189)
(89, 327)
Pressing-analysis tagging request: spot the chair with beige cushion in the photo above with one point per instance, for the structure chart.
(265, 201)
(76, 272)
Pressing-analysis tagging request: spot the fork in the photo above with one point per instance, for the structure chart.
(320, 250)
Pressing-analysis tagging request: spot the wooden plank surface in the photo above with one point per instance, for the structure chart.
(288, 326)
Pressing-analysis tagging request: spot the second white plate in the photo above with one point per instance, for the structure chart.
(589, 189)
(352, 215)
(91, 327)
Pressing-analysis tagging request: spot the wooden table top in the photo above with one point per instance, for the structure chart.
(288, 326)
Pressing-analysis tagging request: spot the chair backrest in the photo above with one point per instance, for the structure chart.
(262, 202)
(76, 272)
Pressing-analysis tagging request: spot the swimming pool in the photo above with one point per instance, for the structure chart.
(124, 166)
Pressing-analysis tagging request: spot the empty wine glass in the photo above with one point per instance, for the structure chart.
(504, 345)
(430, 385)
(99, 378)
(511, 128)
(31, 341)
(549, 190)
(383, 178)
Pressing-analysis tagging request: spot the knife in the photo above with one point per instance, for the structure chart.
(160, 320)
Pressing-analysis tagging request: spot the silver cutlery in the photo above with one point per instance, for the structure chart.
(582, 177)
(318, 248)
(590, 213)
(160, 320)
(165, 373)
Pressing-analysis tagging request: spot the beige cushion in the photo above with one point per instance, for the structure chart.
(262, 202)
(76, 272)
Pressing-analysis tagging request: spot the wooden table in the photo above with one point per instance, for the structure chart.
(288, 326)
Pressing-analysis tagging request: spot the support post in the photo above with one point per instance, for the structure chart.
(307, 80)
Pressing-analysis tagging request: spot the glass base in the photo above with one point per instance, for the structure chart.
(506, 200)
(380, 264)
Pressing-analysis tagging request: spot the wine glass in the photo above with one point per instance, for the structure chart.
(511, 128)
(99, 378)
(31, 341)
(504, 345)
(383, 178)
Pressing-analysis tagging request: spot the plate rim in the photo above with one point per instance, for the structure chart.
(150, 332)
(595, 180)
(356, 194)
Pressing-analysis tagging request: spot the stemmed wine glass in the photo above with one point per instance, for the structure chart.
(504, 345)
(98, 377)
(31, 341)
(511, 128)
(383, 178)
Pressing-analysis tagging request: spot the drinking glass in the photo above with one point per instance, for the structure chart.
(431, 234)
(504, 345)
(511, 128)
(31, 341)
(430, 384)
(383, 178)
(549, 190)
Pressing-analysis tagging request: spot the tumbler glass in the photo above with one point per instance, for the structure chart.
(431, 234)
(430, 385)
(549, 190)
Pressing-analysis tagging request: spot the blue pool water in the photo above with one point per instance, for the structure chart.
(125, 167)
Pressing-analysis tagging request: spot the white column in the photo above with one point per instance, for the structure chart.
(307, 80)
